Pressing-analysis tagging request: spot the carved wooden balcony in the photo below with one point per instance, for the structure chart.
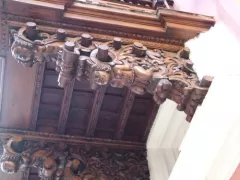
(91, 75)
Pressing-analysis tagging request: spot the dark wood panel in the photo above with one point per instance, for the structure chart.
(17, 95)
(104, 134)
(50, 66)
(83, 86)
(107, 120)
(134, 128)
(115, 91)
(52, 96)
(46, 129)
(81, 100)
(78, 116)
(47, 122)
(74, 132)
(48, 113)
(150, 119)
(50, 79)
(141, 106)
(112, 103)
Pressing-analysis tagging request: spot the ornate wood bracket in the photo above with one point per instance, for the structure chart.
(60, 161)
(142, 70)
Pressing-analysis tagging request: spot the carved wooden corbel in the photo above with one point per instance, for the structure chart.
(59, 161)
(142, 70)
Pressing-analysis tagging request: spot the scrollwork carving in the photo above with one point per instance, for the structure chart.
(142, 70)
(63, 162)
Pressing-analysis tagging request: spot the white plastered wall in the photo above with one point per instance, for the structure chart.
(211, 148)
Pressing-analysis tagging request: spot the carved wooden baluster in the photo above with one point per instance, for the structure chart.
(81, 67)
(61, 35)
(69, 60)
(59, 61)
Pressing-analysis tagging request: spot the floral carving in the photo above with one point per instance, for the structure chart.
(142, 70)
(63, 162)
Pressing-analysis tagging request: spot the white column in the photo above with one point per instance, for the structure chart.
(164, 140)
(211, 148)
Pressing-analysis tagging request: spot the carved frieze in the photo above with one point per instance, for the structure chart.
(142, 70)
(59, 161)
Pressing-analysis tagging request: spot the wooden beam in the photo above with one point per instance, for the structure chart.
(37, 95)
(97, 103)
(124, 113)
(72, 140)
(150, 120)
(66, 102)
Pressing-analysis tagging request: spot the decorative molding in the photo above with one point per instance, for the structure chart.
(62, 161)
(98, 33)
(66, 102)
(72, 140)
(124, 113)
(4, 31)
(97, 103)
(161, 73)
(37, 95)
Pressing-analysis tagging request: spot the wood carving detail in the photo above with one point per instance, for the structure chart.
(4, 46)
(37, 95)
(58, 161)
(142, 70)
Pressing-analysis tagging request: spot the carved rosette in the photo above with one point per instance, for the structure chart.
(58, 161)
(142, 70)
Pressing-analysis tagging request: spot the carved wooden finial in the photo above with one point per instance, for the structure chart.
(184, 53)
(102, 54)
(86, 40)
(170, 2)
(69, 46)
(189, 64)
(206, 81)
(117, 43)
(31, 30)
(138, 49)
(61, 34)
(69, 59)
